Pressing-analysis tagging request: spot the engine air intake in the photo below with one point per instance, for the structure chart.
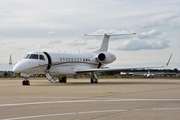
(101, 57)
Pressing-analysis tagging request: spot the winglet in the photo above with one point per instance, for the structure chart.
(168, 61)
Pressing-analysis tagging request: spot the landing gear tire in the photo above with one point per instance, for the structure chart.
(94, 81)
(63, 80)
(60, 80)
(25, 82)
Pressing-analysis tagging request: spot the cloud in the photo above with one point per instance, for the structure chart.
(21, 48)
(3, 43)
(51, 33)
(151, 40)
(161, 20)
(130, 45)
(93, 45)
(76, 42)
(54, 42)
(44, 46)
(149, 35)
(51, 44)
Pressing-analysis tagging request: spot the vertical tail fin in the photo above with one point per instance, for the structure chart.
(104, 45)
(105, 42)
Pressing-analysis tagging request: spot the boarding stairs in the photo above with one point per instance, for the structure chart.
(49, 76)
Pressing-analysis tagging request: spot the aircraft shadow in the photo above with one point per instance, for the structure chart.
(105, 83)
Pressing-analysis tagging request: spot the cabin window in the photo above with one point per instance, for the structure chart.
(63, 59)
(77, 59)
(41, 57)
(80, 59)
(66, 59)
(71, 59)
(74, 59)
(33, 56)
(60, 59)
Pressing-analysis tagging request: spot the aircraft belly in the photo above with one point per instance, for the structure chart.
(68, 69)
(63, 70)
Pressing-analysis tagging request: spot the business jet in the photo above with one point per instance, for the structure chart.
(62, 64)
(148, 75)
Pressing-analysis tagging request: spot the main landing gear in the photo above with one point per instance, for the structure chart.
(63, 79)
(94, 78)
(25, 82)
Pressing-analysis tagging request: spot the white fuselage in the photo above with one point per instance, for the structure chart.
(59, 63)
(68, 63)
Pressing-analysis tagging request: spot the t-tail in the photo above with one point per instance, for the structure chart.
(10, 60)
(105, 42)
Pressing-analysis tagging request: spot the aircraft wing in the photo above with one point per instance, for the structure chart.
(116, 69)
(110, 69)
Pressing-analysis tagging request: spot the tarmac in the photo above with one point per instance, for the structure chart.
(78, 99)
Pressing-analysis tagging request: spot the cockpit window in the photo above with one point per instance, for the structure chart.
(33, 56)
(26, 57)
(41, 57)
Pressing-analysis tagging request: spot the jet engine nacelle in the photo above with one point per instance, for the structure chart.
(106, 57)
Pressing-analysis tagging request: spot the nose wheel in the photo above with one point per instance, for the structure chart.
(25, 82)
(63, 79)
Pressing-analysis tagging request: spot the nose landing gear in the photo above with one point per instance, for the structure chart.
(63, 79)
(26, 82)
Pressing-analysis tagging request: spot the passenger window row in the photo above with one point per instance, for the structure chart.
(74, 59)
(41, 57)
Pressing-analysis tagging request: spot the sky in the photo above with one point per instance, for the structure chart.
(60, 25)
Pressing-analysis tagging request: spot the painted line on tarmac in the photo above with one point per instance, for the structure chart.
(93, 100)
(90, 112)
(42, 97)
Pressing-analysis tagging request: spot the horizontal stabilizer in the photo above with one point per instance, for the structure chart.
(108, 34)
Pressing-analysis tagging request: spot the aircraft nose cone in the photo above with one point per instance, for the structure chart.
(17, 68)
